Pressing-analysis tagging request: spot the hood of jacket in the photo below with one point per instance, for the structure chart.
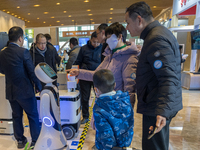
(118, 105)
(129, 49)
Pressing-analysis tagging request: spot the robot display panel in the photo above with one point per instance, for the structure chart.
(48, 70)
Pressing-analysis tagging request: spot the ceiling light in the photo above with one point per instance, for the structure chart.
(25, 26)
(52, 17)
(49, 25)
(44, 22)
(86, 1)
(57, 21)
(19, 17)
(29, 13)
(64, 11)
(22, 18)
(36, 5)
(154, 6)
(89, 14)
(4, 10)
(25, 20)
(72, 20)
(109, 22)
(8, 12)
(38, 18)
(12, 14)
(46, 13)
(57, 3)
(62, 24)
(69, 16)
(91, 19)
(93, 22)
(110, 17)
(28, 21)
(111, 13)
(18, 6)
(111, 8)
(88, 10)
(15, 15)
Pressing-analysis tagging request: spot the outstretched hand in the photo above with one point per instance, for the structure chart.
(160, 123)
(73, 72)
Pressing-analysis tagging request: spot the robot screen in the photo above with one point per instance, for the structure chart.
(49, 71)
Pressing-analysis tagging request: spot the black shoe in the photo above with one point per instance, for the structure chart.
(32, 145)
(84, 120)
(21, 144)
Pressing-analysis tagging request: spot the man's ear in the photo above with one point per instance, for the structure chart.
(139, 19)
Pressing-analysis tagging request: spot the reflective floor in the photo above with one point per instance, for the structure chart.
(184, 128)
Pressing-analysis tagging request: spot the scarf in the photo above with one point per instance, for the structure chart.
(42, 52)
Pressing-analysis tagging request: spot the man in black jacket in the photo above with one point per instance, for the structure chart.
(17, 65)
(89, 58)
(158, 75)
(43, 52)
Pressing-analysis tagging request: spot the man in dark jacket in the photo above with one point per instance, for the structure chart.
(89, 58)
(43, 52)
(17, 65)
(73, 54)
(158, 75)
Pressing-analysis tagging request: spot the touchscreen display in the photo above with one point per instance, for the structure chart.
(48, 71)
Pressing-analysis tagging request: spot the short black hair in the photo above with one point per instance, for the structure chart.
(48, 36)
(40, 35)
(117, 29)
(140, 8)
(104, 80)
(94, 35)
(73, 41)
(15, 33)
(102, 26)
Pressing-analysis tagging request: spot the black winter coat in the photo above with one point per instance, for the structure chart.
(89, 58)
(158, 74)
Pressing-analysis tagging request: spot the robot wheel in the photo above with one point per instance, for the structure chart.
(68, 131)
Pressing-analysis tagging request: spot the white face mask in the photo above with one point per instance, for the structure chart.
(112, 41)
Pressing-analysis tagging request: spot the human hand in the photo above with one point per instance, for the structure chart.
(73, 72)
(92, 123)
(160, 123)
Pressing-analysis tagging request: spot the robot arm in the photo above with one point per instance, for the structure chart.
(45, 115)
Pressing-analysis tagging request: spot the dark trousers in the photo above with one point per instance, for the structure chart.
(30, 107)
(85, 89)
(160, 141)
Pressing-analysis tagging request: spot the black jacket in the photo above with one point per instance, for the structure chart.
(49, 57)
(73, 54)
(57, 57)
(158, 74)
(17, 65)
(89, 58)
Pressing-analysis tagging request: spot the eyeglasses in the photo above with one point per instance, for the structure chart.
(41, 43)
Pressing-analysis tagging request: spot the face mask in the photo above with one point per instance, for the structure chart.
(112, 41)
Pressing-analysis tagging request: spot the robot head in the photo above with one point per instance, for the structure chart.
(45, 73)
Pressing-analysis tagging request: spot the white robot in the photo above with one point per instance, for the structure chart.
(51, 136)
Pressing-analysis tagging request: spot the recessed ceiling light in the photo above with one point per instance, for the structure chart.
(57, 3)
(12, 14)
(62, 24)
(111, 8)
(57, 21)
(72, 20)
(8, 12)
(25, 26)
(69, 16)
(46, 13)
(93, 22)
(44, 22)
(109, 22)
(86, 1)
(38, 18)
(52, 17)
(19, 17)
(36, 5)
(15, 15)
(22, 18)
(29, 13)
(64, 11)
(49, 25)
(18, 6)
(110, 17)
(4, 10)
(91, 19)
(154, 6)
(89, 14)
(111, 13)
(25, 20)
(88, 9)
(28, 21)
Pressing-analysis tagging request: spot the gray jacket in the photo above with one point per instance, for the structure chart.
(72, 56)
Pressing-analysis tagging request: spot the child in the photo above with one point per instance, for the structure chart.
(113, 113)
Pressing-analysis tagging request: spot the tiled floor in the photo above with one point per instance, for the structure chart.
(184, 128)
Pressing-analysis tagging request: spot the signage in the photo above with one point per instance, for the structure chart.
(180, 6)
(77, 33)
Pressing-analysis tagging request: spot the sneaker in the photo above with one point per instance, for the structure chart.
(84, 120)
(21, 144)
(32, 145)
